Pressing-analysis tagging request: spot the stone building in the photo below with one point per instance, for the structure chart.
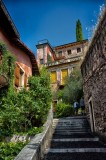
(26, 64)
(94, 78)
(60, 60)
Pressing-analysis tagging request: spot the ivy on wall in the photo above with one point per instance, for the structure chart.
(7, 65)
(23, 112)
(31, 106)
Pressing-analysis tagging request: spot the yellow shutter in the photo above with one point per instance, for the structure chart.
(53, 77)
(17, 76)
(64, 75)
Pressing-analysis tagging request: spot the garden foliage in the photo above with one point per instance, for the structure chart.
(9, 150)
(22, 111)
(63, 110)
(73, 89)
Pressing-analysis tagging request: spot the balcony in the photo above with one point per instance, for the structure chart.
(63, 61)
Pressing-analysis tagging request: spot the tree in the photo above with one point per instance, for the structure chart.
(73, 89)
(79, 35)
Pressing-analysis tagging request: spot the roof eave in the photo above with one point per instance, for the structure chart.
(9, 19)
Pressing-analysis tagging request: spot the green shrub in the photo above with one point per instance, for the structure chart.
(22, 111)
(8, 151)
(63, 110)
(35, 130)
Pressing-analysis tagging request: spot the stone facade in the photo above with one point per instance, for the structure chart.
(62, 59)
(94, 79)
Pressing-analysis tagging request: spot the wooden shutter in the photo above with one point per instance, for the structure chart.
(17, 76)
(25, 80)
(53, 77)
(64, 75)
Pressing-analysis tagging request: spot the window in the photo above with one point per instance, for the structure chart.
(25, 80)
(69, 52)
(64, 74)
(92, 117)
(41, 61)
(53, 77)
(78, 50)
(19, 77)
(60, 54)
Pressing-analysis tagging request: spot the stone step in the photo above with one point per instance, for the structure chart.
(70, 122)
(72, 140)
(74, 150)
(69, 118)
(69, 125)
(73, 135)
(64, 125)
(75, 139)
(71, 132)
(80, 144)
(76, 156)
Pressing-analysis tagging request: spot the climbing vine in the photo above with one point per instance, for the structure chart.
(7, 65)
(23, 112)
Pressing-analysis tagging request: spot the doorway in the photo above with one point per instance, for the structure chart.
(92, 119)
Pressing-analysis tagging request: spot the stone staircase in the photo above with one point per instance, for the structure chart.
(73, 140)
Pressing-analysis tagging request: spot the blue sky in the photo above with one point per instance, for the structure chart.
(54, 20)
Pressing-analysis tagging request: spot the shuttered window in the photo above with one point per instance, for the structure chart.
(25, 80)
(53, 77)
(20, 77)
(64, 74)
(17, 76)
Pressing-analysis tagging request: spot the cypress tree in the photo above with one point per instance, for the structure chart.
(79, 35)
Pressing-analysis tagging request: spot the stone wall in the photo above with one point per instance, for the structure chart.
(94, 79)
(34, 150)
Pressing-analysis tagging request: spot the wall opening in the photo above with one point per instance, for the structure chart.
(92, 120)
(21, 78)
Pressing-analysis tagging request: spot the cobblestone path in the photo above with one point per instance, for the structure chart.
(73, 140)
